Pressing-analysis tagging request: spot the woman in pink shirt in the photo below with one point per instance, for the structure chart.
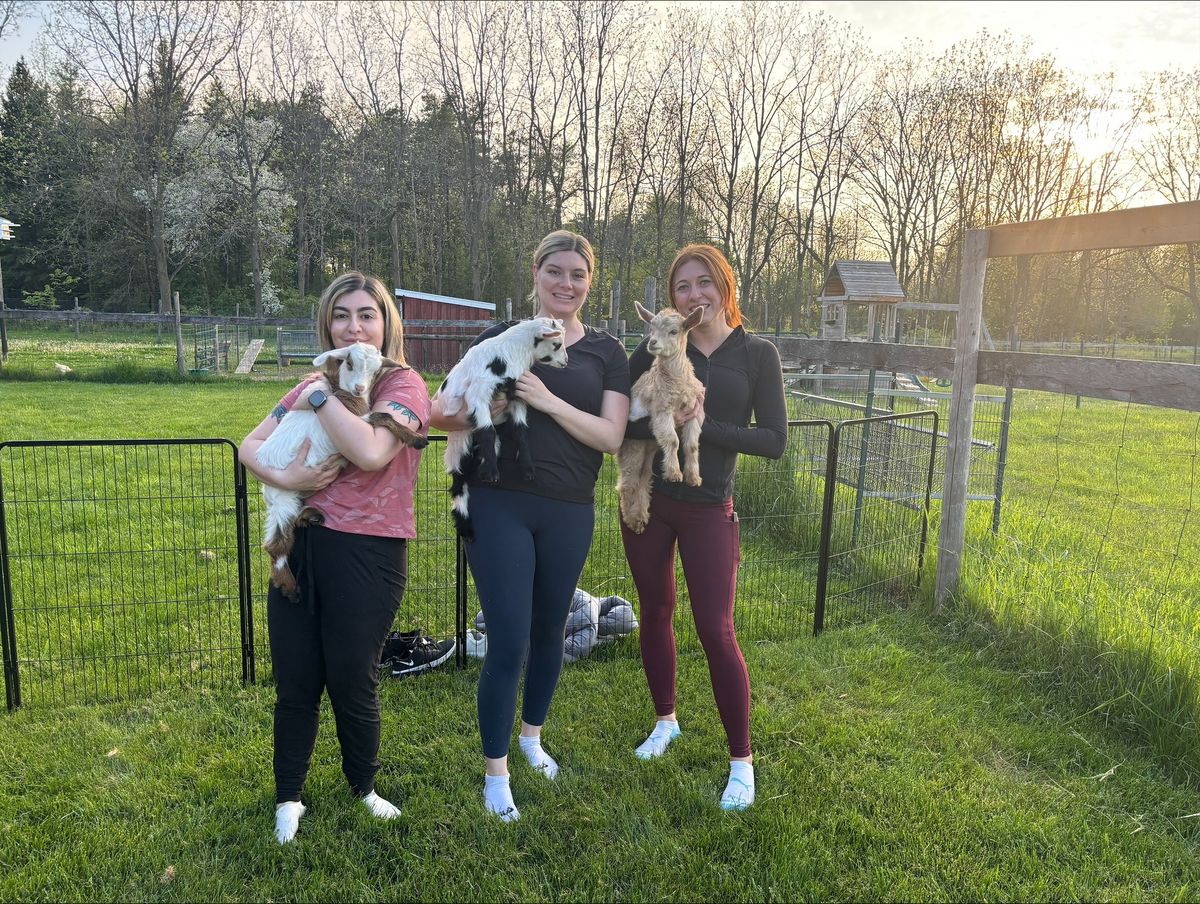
(351, 569)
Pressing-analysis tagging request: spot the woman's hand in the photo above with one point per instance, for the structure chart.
(696, 411)
(533, 392)
(301, 403)
(301, 478)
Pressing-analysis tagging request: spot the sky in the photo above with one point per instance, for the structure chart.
(1086, 36)
(1128, 38)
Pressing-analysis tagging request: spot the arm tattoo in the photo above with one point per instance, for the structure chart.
(279, 412)
(404, 410)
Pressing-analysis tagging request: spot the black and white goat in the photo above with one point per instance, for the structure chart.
(357, 367)
(489, 371)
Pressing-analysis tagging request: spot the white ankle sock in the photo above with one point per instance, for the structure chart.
(665, 731)
(384, 809)
(287, 820)
(538, 758)
(739, 792)
(497, 797)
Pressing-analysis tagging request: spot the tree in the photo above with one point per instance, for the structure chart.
(1169, 162)
(11, 13)
(246, 139)
(146, 61)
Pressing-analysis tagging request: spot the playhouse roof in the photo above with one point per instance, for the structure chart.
(445, 299)
(862, 281)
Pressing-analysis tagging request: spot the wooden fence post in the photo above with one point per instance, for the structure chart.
(179, 363)
(952, 531)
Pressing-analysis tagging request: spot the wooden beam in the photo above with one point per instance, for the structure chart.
(1143, 382)
(953, 529)
(1137, 227)
(926, 360)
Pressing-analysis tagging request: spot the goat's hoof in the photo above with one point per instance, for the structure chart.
(489, 475)
(636, 523)
(420, 442)
(674, 475)
(693, 480)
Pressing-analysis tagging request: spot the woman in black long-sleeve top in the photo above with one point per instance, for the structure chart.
(743, 380)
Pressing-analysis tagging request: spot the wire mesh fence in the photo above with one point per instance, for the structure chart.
(431, 601)
(878, 514)
(130, 566)
(124, 568)
(842, 396)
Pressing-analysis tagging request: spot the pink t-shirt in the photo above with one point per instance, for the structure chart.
(377, 503)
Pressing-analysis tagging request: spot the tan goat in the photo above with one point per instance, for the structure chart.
(669, 386)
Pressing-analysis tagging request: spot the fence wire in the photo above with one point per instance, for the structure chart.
(130, 566)
(123, 568)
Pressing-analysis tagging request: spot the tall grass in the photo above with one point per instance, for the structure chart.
(1094, 577)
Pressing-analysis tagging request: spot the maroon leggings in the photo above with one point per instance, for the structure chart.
(710, 550)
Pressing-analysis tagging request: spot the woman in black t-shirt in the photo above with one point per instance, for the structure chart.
(741, 377)
(532, 537)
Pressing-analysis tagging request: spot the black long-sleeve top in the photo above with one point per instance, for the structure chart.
(742, 377)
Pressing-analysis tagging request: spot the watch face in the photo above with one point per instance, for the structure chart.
(316, 399)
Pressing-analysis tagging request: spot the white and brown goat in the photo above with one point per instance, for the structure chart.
(489, 371)
(669, 386)
(353, 370)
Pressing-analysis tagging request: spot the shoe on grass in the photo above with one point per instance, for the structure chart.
(413, 653)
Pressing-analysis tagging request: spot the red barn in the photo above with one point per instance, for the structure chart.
(438, 328)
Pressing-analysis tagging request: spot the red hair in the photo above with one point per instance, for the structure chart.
(722, 275)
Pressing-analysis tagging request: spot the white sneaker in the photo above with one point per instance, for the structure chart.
(476, 644)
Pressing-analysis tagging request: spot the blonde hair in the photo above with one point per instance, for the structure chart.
(353, 281)
(560, 240)
(722, 275)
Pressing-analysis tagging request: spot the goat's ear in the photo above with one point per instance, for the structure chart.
(339, 353)
(549, 334)
(388, 362)
(693, 319)
(646, 316)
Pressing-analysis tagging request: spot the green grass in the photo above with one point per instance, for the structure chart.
(1038, 742)
(892, 764)
(1095, 574)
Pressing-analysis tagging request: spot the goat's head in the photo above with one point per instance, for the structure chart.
(549, 341)
(667, 330)
(359, 365)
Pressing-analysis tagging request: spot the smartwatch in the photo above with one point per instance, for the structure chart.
(316, 399)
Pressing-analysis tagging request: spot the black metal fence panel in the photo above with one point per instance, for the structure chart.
(124, 568)
(877, 522)
(128, 566)
(431, 595)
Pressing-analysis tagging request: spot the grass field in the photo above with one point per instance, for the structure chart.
(1095, 573)
(1034, 743)
(893, 763)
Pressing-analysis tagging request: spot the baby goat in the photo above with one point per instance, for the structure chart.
(354, 376)
(670, 385)
(486, 372)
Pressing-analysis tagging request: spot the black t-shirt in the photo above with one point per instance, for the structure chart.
(742, 377)
(565, 468)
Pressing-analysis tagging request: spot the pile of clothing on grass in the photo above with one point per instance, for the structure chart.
(591, 623)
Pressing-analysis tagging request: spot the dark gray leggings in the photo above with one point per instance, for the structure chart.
(526, 558)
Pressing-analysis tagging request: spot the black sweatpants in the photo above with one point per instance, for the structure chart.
(350, 590)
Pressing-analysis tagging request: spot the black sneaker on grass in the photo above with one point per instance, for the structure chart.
(410, 652)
